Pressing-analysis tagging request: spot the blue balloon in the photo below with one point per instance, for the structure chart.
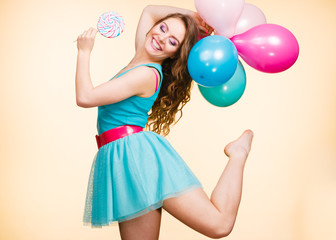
(212, 61)
(228, 93)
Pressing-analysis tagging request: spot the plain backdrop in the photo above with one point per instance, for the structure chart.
(47, 142)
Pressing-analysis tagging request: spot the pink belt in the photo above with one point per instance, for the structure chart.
(116, 133)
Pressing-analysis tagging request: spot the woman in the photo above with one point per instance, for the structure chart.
(136, 173)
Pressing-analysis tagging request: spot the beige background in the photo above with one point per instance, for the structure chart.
(47, 142)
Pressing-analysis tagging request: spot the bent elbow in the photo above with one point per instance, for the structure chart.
(148, 8)
(82, 103)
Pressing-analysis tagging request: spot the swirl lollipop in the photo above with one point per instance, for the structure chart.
(110, 24)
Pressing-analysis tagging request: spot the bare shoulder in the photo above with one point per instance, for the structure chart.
(140, 77)
(139, 72)
(143, 80)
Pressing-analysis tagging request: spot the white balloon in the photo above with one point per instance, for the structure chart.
(222, 15)
(251, 16)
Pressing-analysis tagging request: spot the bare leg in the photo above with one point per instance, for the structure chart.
(146, 227)
(215, 217)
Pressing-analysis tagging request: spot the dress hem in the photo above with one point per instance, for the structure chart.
(143, 211)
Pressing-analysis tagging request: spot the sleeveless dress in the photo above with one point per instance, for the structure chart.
(133, 175)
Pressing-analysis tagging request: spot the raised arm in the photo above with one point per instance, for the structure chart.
(152, 13)
(135, 82)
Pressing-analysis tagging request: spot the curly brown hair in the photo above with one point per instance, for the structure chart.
(176, 83)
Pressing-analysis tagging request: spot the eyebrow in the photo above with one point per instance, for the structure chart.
(173, 36)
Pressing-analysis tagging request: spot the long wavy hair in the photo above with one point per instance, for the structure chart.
(176, 83)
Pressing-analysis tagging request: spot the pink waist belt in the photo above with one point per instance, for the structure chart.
(116, 133)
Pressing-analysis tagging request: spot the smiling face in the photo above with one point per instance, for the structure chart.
(165, 38)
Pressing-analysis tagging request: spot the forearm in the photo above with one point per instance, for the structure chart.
(83, 79)
(160, 11)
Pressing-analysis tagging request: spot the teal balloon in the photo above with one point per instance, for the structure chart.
(227, 93)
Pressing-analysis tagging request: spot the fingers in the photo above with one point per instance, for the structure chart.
(90, 33)
(203, 26)
(85, 41)
(208, 29)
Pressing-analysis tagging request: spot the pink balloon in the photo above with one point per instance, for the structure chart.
(268, 48)
(222, 15)
(251, 16)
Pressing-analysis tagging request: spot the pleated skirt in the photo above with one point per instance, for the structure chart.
(133, 175)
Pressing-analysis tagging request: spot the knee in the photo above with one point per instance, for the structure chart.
(220, 231)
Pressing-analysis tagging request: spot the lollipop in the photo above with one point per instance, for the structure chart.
(110, 24)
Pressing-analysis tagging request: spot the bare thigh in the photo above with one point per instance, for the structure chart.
(145, 227)
(195, 209)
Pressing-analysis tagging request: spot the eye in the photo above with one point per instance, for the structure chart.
(162, 27)
(172, 42)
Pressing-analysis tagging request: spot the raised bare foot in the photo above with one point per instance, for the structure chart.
(240, 146)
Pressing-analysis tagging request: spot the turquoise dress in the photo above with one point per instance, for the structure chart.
(133, 175)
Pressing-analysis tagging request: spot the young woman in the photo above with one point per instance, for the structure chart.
(136, 173)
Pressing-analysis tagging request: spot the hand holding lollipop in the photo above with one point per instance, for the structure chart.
(85, 41)
(110, 25)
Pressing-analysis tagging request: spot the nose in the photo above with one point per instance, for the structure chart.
(162, 38)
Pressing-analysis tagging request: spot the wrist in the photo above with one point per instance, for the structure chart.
(83, 52)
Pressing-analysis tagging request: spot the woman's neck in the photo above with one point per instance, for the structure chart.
(141, 57)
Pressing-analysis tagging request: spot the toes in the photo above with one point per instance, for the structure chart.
(249, 132)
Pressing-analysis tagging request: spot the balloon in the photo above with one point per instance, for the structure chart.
(268, 48)
(228, 93)
(251, 16)
(212, 61)
(222, 15)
